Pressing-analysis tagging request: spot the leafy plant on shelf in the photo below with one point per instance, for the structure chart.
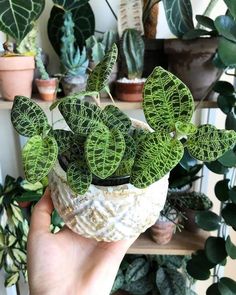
(151, 274)
(102, 144)
(14, 225)
(219, 248)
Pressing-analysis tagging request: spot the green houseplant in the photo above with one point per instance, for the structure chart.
(74, 61)
(47, 86)
(132, 55)
(105, 154)
(17, 67)
(192, 60)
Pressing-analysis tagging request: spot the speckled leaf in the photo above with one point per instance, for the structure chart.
(157, 154)
(99, 77)
(185, 128)
(104, 150)
(210, 143)
(64, 139)
(39, 156)
(115, 118)
(127, 161)
(167, 100)
(137, 270)
(81, 116)
(27, 117)
(79, 178)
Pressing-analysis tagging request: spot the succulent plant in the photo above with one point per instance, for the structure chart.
(102, 143)
(40, 66)
(74, 61)
(133, 51)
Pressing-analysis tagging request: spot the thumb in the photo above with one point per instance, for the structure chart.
(41, 216)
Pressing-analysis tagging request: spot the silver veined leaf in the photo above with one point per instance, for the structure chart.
(167, 100)
(39, 156)
(12, 279)
(79, 178)
(99, 77)
(16, 211)
(157, 154)
(210, 143)
(27, 117)
(104, 150)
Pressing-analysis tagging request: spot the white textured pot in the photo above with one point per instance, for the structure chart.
(108, 213)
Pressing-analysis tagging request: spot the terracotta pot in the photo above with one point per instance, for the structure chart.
(191, 62)
(108, 213)
(47, 88)
(163, 230)
(132, 92)
(16, 76)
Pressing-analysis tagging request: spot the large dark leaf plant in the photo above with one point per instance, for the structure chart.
(102, 143)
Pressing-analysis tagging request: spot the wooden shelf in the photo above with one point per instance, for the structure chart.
(7, 105)
(182, 243)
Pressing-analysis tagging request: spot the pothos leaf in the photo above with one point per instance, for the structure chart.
(64, 139)
(39, 156)
(27, 117)
(81, 116)
(79, 178)
(209, 143)
(157, 154)
(162, 114)
(12, 279)
(99, 77)
(115, 118)
(104, 150)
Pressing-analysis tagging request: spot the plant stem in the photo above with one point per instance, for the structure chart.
(112, 11)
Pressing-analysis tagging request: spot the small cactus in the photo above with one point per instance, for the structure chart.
(133, 50)
(40, 66)
(74, 61)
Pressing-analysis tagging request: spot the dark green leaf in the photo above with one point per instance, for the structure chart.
(230, 248)
(162, 114)
(28, 197)
(228, 159)
(27, 117)
(64, 139)
(205, 21)
(39, 155)
(226, 103)
(82, 16)
(209, 143)
(226, 50)
(69, 4)
(215, 249)
(208, 220)
(222, 190)
(56, 219)
(139, 287)
(231, 6)
(137, 270)
(216, 167)
(196, 271)
(156, 155)
(229, 214)
(227, 286)
(226, 27)
(99, 77)
(230, 122)
(213, 290)
(224, 88)
(179, 16)
(232, 194)
(218, 62)
(195, 33)
(119, 282)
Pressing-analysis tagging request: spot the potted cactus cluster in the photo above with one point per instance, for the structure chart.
(108, 173)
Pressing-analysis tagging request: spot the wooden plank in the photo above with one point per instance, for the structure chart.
(182, 243)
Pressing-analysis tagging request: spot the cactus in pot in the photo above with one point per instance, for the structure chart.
(132, 52)
(83, 160)
(73, 60)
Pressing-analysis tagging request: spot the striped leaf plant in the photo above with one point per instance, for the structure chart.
(101, 144)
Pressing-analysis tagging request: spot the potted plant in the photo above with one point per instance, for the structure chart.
(47, 86)
(132, 54)
(17, 67)
(74, 61)
(104, 171)
(193, 59)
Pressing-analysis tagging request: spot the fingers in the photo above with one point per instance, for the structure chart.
(41, 216)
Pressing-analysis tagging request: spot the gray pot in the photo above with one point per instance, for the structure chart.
(73, 85)
(191, 62)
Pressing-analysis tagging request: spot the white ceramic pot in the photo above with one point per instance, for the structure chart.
(108, 213)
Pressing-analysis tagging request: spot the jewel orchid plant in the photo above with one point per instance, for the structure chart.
(102, 143)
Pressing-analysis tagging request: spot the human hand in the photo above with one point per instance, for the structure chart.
(66, 263)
